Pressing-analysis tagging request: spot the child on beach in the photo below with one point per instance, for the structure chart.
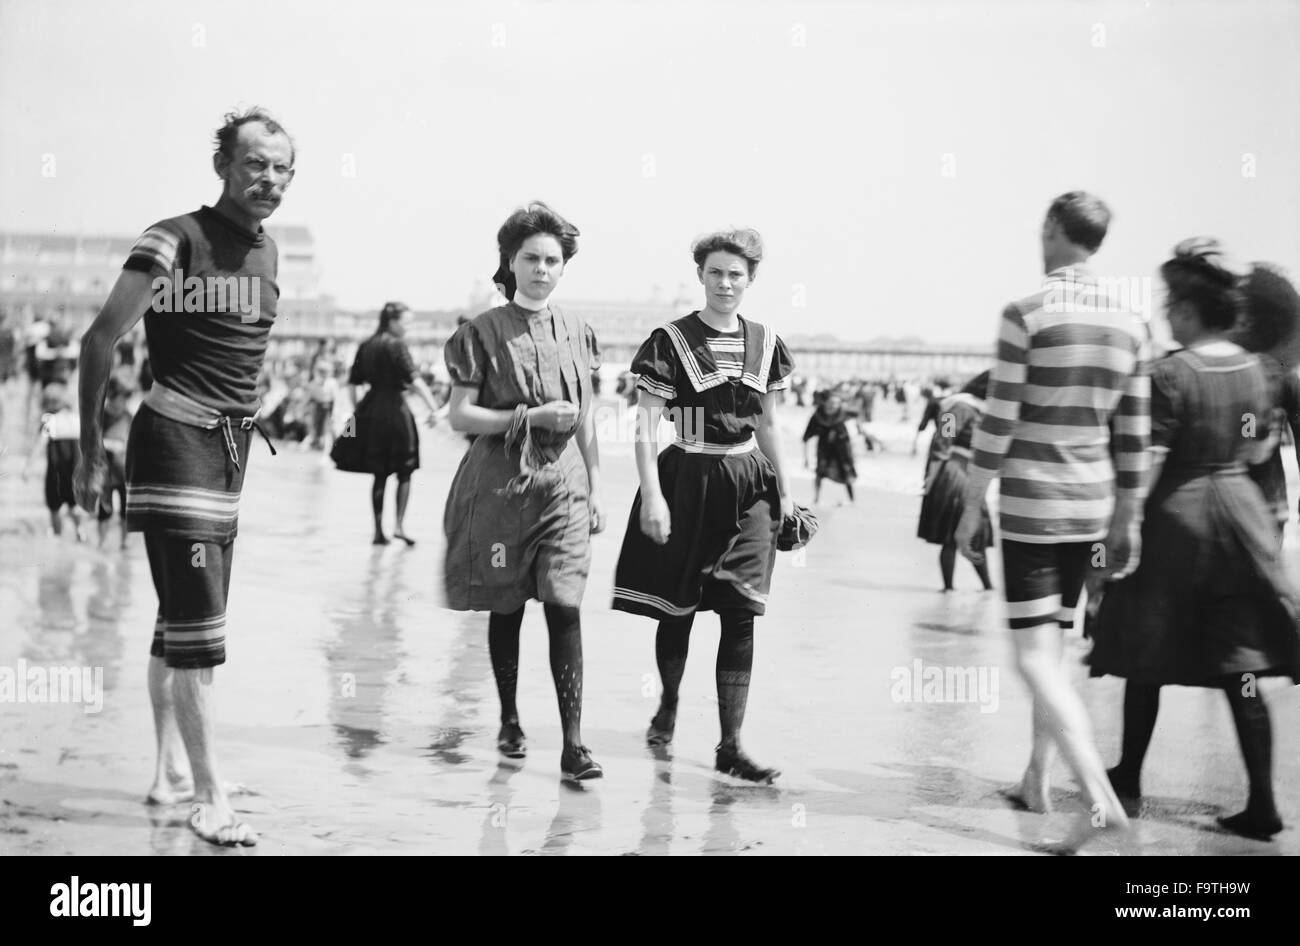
(60, 433)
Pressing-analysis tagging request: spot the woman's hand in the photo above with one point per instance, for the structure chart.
(787, 507)
(965, 535)
(655, 519)
(596, 510)
(554, 415)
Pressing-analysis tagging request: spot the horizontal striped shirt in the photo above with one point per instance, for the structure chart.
(1068, 420)
(728, 350)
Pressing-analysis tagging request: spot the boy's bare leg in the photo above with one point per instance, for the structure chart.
(1038, 651)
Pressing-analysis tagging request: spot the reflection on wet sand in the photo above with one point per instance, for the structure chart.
(364, 654)
(461, 691)
(657, 823)
(493, 842)
(578, 810)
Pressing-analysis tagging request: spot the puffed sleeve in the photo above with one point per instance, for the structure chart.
(593, 350)
(1166, 403)
(778, 375)
(655, 365)
(465, 357)
(403, 364)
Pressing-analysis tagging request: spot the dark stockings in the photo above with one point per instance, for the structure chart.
(1141, 707)
(377, 506)
(1255, 736)
(565, 627)
(948, 561)
(671, 643)
(735, 661)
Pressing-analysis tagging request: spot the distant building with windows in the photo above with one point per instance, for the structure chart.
(69, 276)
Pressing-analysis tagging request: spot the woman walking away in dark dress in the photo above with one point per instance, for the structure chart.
(945, 482)
(703, 530)
(1210, 603)
(389, 442)
(526, 498)
(829, 425)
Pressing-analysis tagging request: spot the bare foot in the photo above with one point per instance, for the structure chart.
(1104, 835)
(221, 826)
(179, 792)
(1033, 793)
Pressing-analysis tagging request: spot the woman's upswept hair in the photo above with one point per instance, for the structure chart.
(978, 386)
(1272, 312)
(391, 312)
(744, 242)
(1201, 272)
(528, 221)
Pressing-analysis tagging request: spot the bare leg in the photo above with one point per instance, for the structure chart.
(403, 496)
(1060, 717)
(214, 819)
(172, 781)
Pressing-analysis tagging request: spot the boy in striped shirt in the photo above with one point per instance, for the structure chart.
(1066, 431)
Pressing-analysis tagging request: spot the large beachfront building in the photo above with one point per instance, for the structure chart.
(68, 276)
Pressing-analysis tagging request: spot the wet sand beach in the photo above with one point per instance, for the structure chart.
(364, 715)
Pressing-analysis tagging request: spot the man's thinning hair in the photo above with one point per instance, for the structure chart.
(1084, 217)
(234, 120)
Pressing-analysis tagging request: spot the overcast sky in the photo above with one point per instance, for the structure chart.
(896, 157)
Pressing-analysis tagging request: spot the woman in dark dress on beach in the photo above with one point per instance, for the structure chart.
(389, 442)
(1210, 604)
(957, 418)
(702, 535)
(829, 425)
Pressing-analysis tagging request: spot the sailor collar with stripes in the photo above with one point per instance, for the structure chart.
(691, 342)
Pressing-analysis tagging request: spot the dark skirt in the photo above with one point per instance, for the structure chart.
(835, 460)
(944, 503)
(725, 516)
(61, 458)
(1209, 598)
(388, 440)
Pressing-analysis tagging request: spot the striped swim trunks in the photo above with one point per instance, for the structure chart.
(184, 475)
(1044, 581)
(192, 579)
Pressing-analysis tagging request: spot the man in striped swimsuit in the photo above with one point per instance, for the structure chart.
(204, 283)
(1066, 430)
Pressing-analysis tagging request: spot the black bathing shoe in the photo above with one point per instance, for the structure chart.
(579, 766)
(510, 742)
(733, 762)
(657, 737)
